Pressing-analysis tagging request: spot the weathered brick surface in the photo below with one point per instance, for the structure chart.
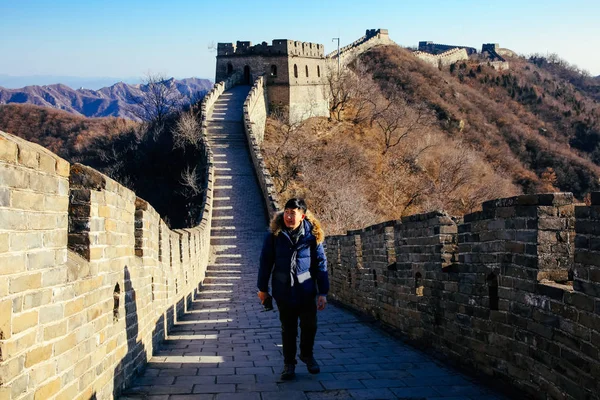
(80, 323)
(494, 291)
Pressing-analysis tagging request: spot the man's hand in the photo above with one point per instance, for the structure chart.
(321, 301)
(262, 296)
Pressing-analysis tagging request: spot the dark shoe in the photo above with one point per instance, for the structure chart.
(289, 372)
(311, 364)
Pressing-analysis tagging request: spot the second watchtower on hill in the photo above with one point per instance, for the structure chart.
(295, 74)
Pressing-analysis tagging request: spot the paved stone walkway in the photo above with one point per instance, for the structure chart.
(227, 348)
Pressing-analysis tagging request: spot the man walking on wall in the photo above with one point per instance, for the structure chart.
(293, 255)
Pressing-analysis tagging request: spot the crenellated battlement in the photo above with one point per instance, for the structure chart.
(278, 47)
(371, 38)
(435, 48)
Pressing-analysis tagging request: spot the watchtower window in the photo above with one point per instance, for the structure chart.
(318, 71)
(492, 281)
(229, 68)
(306, 69)
(418, 284)
(273, 70)
(295, 71)
(116, 301)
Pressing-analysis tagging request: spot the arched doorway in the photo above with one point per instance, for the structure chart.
(247, 75)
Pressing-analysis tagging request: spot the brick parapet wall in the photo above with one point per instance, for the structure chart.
(446, 58)
(69, 237)
(492, 292)
(255, 115)
(372, 38)
(436, 48)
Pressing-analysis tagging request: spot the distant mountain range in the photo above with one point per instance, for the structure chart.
(75, 82)
(113, 101)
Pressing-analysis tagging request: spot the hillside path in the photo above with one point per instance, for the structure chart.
(226, 348)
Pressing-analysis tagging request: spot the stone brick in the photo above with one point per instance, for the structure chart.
(48, 390)
(42, 183)
(17, 304)
(55, 276)
(5, 319)
(4, 244)
(4, 197)
(63, 168)
(55, 238)
(56, 203)
(26, 282)
(69, 393)
(3, 288)
(24, 321)
(51, 313)
(26, 200)
(74, 306)
(28, 157)
(38, 355)
(55, 330)
(37, 299)
(19, 386)
(41, 373)
(8, 150)
(25, 241)
(13, 177)
(12, 220)
(4, 392)
(12, 264)
(44, 221)
(40, 260)
(47, 163)
(67, 343)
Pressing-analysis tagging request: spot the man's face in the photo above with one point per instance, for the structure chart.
(292, 217)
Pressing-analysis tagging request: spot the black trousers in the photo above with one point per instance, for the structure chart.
(289, 316)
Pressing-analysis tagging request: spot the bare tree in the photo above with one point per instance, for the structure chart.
(187, 131)
(158, 98)
(366, 93)
(190, 181)
(397, 120)
(341, 86)
(284, 151)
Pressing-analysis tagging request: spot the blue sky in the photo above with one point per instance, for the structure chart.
(130, 38)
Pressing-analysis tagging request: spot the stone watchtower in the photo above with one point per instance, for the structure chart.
(295, 74)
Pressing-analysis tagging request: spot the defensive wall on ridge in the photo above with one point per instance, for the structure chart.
(442, 55)
(372, 38)
(435, 48)
(443, 59)
(91, 277)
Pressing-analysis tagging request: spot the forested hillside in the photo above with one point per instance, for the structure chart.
(162, 159)
(59, 131)
(405, 137)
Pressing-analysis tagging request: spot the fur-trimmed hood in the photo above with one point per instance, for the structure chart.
(277, 225)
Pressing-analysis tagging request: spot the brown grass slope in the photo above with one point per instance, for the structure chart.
(524, 120)
(63, 133)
